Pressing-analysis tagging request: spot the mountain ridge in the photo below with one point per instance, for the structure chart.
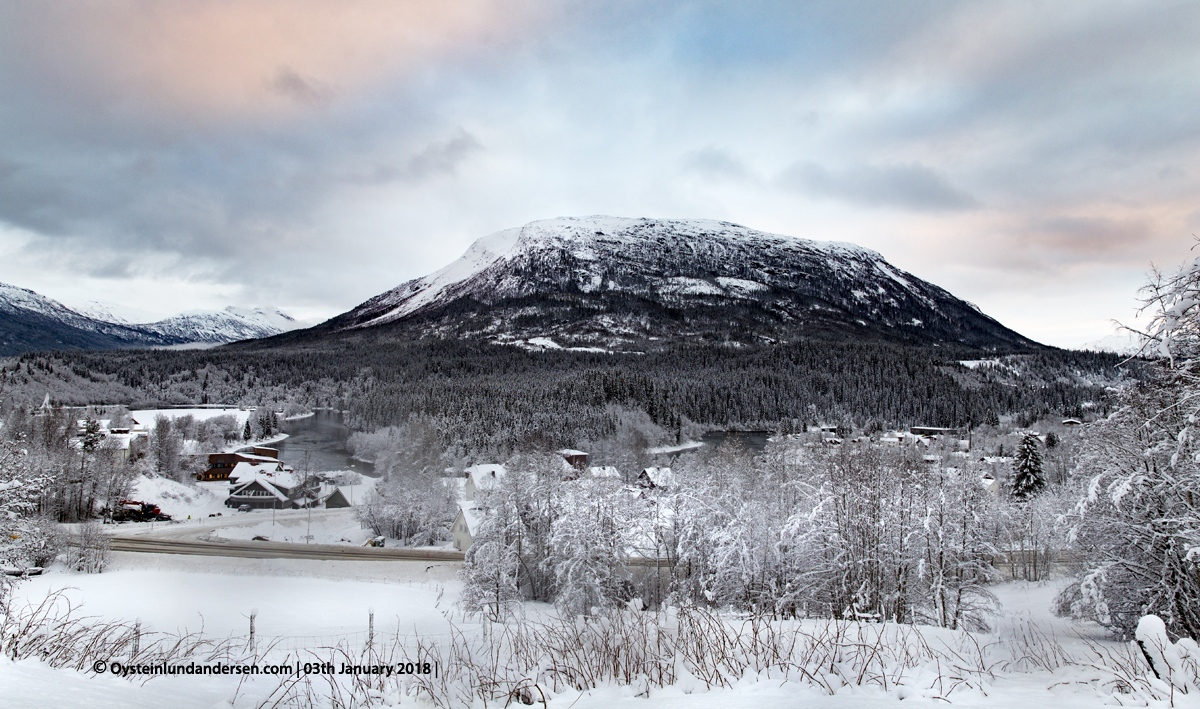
(621, 283)
(31, 321)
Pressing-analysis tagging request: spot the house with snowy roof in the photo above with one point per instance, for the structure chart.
(481, 478)
(466, 524)
(651, 478)
(262, 487)
(604, 472)
(221, 465)
(576, 459)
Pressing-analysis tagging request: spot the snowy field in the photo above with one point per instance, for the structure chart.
(300, 603)
(149, 417)
(308, 604)
(202, 499)
(294, 597)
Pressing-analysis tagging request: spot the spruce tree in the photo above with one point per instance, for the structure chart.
(92, 435)
(1028, 479)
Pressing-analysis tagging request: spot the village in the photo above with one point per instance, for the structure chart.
(253, 479)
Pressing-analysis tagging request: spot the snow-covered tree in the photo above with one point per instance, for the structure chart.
(166, 444)
(1028, 479)
(416, 509)
(1137, 523)
(27, 538)
(489, 573)
(92, 436)
(586, 550)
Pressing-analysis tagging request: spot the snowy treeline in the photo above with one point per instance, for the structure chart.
(76, 477)
(44, 479)
(498, 400)
(1137, 521)
(855, 531)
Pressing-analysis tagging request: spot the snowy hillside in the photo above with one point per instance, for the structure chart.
(220, 326)
(613, 281)
(22, 301)
(30, 321)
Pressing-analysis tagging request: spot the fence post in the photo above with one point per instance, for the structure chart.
(253, 615)
(137, 638)
(370, 630)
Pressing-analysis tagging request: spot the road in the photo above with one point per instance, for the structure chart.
(275, 550)
(200, 537)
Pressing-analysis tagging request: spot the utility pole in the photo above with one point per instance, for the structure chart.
(308, 535)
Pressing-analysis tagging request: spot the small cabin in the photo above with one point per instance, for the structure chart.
(334, 499)
(575, 459)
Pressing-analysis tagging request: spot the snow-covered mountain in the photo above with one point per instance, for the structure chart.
(1122, 343)
(219, 326)
(614, 282)
(30, 321)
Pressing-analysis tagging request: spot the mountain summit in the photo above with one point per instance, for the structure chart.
(615, 283)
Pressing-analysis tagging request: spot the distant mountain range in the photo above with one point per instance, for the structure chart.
(29, 321)
(1123, 343)
(605, 283)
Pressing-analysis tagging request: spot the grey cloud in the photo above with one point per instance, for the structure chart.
(289, 84)
(442, 158)
(913, 186)
(438, 159)
(1093, 237)
(716, 163)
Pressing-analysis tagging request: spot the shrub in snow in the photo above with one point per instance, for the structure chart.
(88, 549)
(586, 550)
(854, 532)
(27, 538)
(1176, 663)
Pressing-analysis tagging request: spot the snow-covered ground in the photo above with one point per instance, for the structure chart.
(180, 500)
(190, 507)
(299, 604)
(148, 417)
(321, 603)
(324, 526)
(294, 597)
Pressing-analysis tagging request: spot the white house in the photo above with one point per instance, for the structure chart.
(464, 527)
(481, 478)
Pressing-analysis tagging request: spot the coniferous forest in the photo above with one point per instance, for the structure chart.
(497, 398)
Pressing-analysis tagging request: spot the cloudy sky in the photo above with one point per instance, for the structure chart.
(1034, 158)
